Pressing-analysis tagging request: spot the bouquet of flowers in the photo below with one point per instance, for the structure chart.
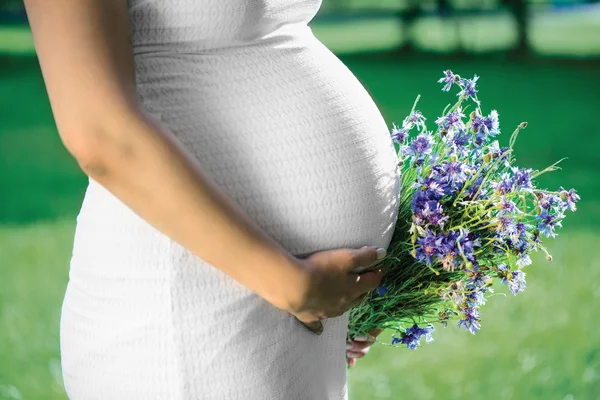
(468, 216)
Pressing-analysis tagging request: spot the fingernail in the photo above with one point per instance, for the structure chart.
(352, 354)
(349, 346)
(381, 253)
(361, 338)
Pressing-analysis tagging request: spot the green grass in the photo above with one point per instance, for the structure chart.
(541, 344)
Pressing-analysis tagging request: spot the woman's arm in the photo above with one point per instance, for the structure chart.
(86, 59)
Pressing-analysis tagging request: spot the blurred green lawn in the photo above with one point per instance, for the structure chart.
(541, 344)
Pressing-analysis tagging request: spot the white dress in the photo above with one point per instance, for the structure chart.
(289, 133)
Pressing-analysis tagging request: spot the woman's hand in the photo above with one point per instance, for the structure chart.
(359, 346)
(331, 285)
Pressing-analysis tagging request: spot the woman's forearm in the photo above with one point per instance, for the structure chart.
(144, 166)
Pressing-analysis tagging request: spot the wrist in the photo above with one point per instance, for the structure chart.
(285, 281)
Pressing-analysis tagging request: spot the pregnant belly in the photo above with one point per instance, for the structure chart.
(287, 131)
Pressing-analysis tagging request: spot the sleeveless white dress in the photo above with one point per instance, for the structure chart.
(289, 133)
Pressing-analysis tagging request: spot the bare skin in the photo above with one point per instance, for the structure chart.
(86, 59)
(358, 347)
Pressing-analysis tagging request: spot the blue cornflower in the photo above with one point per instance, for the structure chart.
(428, 247)
(433, 187)
(434, 213)
(448, 252)
(505, 185)
(506, 206)
(547, 201)
(455, 172)
(495, 149)
(418, 202)
(522, 178)
(477, 121)
(505, 226)
(412, 336)
(523, 261)
(420, 145)
(399, 135)
(476, 298)
(491, 124)
(415, 118)
(479, 280)
(570, 197)
(449, 78)
(452, 121)
(469, 87)
(381, 290)
(470, 319)
(481, 138)
(548, 222)
(517, 283)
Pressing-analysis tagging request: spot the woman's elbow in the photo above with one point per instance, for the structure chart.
(87, 143)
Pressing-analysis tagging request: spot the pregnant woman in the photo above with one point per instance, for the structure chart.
(239, 174)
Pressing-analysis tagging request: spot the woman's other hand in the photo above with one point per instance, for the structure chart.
(359, 346)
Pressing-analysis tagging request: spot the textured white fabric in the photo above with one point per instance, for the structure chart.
(288, 132)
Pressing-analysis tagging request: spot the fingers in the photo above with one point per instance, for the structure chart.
(365, 256)
(351, 362)
(356, 346)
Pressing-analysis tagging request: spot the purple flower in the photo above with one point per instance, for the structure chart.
(548, 222)
(547, 201)
(420, 145)
(415, 118)
(452, 121)
(434, 213)
(570, 197)
(517, 283)
(455, 172)
(523, 261)
(477, 122)
(449, 78)
(470, 319)
(468, 85)
(522, 177)
(491, 124)
(399, 135)
(412, 336)
(506, 206)
(475, 298)
(505, 226)
(495, 149)
(505, 185)
(428, 247)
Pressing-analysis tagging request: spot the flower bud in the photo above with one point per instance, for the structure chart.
(549, 257)
(523, 125)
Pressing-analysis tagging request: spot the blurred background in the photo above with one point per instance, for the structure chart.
(539, 62)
